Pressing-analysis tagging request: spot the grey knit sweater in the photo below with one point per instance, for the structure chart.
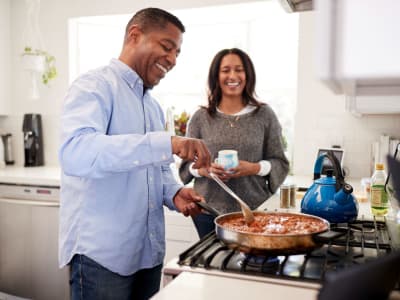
(256, 136)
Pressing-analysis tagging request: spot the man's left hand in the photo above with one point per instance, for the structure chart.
(184, 201)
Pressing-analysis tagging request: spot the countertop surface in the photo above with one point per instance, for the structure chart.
(51, 175)
(196, 286)
(42, 176)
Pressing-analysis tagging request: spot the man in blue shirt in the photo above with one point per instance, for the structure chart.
(115, 157)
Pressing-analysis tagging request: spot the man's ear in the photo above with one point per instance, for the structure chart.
(134, 33)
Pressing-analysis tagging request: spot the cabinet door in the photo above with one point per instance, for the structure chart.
(44, 256)
(358, 49)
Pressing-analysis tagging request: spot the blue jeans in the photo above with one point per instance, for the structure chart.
(91, 281)
(204, 224)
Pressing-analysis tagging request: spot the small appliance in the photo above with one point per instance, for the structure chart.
(330, 197)
(33, 140)
(8, 155)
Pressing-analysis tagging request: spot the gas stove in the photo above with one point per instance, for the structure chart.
(343, 246)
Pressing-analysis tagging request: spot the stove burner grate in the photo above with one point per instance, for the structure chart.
(345, 245)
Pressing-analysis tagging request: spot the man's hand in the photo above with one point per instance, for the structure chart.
(184, 202)
(191, 149)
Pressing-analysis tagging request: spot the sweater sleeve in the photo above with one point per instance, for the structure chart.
(274, 153)
(193, 131)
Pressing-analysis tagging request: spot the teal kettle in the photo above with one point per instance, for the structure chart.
(330, 197)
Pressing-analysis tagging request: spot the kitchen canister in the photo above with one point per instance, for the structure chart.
(293, 189)
(284, 196)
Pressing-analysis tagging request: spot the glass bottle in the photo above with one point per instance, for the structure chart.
(379, 197)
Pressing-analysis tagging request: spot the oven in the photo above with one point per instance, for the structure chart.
(343, 246)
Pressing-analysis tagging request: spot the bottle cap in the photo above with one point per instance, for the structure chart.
(379, 167)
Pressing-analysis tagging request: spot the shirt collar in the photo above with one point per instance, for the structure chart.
(127, 73)
(248, 108)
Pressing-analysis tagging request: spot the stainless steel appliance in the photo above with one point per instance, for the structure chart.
(8, 153)
(29, 243)
(344, 246)
(33, 140)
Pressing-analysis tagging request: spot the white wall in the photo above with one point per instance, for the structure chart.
(5, 90)
(54, 15)
(320, 120)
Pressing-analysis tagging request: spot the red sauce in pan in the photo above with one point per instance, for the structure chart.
(276, 223)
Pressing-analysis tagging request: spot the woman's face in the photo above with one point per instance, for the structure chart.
(232, 76)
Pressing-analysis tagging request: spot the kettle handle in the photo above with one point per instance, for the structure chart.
(336, 167)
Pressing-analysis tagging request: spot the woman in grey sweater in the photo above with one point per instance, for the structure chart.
(234, 119)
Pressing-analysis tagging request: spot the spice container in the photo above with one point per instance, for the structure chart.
(285, 196)
(293, 189)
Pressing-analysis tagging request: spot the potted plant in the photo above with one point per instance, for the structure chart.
(40, 61)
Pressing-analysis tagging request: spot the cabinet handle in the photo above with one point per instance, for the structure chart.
(30, 202)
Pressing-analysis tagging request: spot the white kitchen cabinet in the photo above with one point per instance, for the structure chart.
(358, 52)
(180, 233)
(5, 55)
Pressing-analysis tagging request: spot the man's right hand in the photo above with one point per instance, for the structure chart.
(191, 149)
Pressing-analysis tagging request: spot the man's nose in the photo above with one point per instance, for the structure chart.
(171, 57)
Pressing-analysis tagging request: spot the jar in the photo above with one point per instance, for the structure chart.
(285, 196)
(293, 189)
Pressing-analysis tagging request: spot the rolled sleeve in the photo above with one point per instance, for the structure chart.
(161, 147)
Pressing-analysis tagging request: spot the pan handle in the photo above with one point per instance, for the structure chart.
(327, 236)
(208, 208)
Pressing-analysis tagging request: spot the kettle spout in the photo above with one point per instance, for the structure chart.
(343, 196)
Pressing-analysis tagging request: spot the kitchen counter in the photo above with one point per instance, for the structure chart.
(272, 204)
(305, 181)
(43, 176)
(196, 286)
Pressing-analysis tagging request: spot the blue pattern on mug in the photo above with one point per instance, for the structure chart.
(228, 159)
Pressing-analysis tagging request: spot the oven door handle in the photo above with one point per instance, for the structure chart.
(30, 202)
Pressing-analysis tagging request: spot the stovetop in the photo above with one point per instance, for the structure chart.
(344, 245)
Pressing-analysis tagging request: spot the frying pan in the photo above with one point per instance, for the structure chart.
(264, 243)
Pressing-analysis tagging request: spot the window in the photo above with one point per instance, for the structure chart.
(262, 29)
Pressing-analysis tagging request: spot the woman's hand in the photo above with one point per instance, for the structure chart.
(244, 168)
(216, 169)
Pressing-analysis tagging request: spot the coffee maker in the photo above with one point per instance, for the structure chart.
(33, 140)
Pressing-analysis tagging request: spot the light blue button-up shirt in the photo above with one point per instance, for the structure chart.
(115, 158)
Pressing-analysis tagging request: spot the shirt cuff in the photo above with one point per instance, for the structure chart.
(169, 197)
(265, 168)
(194, 172)
(161, 147)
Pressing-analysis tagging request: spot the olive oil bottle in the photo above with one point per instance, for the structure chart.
(379, 197)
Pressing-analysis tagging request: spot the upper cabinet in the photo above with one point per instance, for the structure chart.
(358, 52)
(5, 57)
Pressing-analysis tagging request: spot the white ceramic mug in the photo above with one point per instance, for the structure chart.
(228, 159)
